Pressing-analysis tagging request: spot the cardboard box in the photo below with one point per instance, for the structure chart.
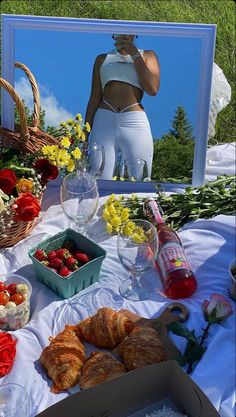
(129, 393)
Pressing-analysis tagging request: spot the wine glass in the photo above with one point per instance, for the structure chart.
(134, 169)
(136, 258)
(14, 401)
(79, 199)
(96, 160)
(92, 159)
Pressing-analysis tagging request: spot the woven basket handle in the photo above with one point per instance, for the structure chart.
(24, 132)
(36, 96)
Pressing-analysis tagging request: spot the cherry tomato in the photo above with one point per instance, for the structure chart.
(3, 298)
(17, 298)
(11, 288)
(2, 286)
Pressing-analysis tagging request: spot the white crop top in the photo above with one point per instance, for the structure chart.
(119, 68)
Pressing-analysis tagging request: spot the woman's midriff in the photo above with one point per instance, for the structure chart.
(121, 95)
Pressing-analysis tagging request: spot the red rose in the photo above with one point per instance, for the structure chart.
(7, 180)
(28, 207)
(47, 170)
(7, 352)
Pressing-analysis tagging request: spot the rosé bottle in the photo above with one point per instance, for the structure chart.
(177, 277)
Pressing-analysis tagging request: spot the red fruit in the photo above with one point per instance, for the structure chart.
(3, 298)
(2, 286)
(82, 257)
(40, 254)
(71, 263)
(11, 288)
(64, 272)
(17, 299)
(63, 253)
(56, 263)
(52, 254)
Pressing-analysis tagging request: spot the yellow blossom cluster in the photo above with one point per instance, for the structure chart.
(67, 152)
(117, 216)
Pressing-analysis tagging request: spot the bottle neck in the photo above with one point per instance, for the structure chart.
(153, 212)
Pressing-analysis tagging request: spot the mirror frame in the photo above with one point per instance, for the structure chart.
(205, 32)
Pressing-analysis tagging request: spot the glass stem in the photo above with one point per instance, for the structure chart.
(136, 280)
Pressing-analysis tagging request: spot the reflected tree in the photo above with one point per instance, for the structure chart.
(174, 151)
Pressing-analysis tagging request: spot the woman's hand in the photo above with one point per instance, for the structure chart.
(125, 45)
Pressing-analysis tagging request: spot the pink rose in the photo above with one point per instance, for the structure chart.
(217, 309)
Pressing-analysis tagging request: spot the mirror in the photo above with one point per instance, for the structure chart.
(61, 51)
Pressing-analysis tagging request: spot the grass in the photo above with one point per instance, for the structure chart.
(219, 12)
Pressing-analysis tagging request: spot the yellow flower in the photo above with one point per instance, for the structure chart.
(24, 186)
(65, 142)
(137, 238)
(109, 228)
(115, 221)
(70, 166)
(82, 136)
(78, 117)
(70, 122)
(111, 199)
(129, 228)
(76, 153)
(106, 214)
(111, 209)
(125, 214)
(87, 127)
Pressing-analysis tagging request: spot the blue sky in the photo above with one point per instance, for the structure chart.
(62, 64)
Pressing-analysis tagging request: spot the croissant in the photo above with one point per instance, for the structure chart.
(141, 347)
(106, 328)
(100, 367)
(63, 359)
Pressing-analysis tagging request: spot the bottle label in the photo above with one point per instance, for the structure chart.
(172, 257)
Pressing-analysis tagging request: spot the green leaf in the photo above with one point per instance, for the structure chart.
(181, 330)
(194, 353)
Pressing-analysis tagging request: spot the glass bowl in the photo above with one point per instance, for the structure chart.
(16, 317)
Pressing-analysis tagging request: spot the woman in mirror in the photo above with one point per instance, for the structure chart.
(114, 111)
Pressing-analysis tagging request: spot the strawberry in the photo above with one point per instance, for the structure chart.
(64, 272)
(52, 254)
(82, 257)
(62, 253)
(56, 263)
(40, 254)
(71, 263)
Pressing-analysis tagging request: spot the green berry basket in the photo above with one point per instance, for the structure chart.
(78, 280)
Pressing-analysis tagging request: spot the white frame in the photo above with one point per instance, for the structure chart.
(206, 32)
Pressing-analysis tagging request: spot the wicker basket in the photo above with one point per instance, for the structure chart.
(26, 139)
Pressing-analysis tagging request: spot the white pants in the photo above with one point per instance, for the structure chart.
(127, 134)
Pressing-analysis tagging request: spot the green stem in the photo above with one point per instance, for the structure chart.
(205, 334)
(22, 169)
(202, 340)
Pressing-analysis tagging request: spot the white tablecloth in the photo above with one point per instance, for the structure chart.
(209, 245)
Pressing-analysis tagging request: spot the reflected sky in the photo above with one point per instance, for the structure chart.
(62, 64)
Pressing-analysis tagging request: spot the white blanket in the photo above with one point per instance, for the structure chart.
(209, 245)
